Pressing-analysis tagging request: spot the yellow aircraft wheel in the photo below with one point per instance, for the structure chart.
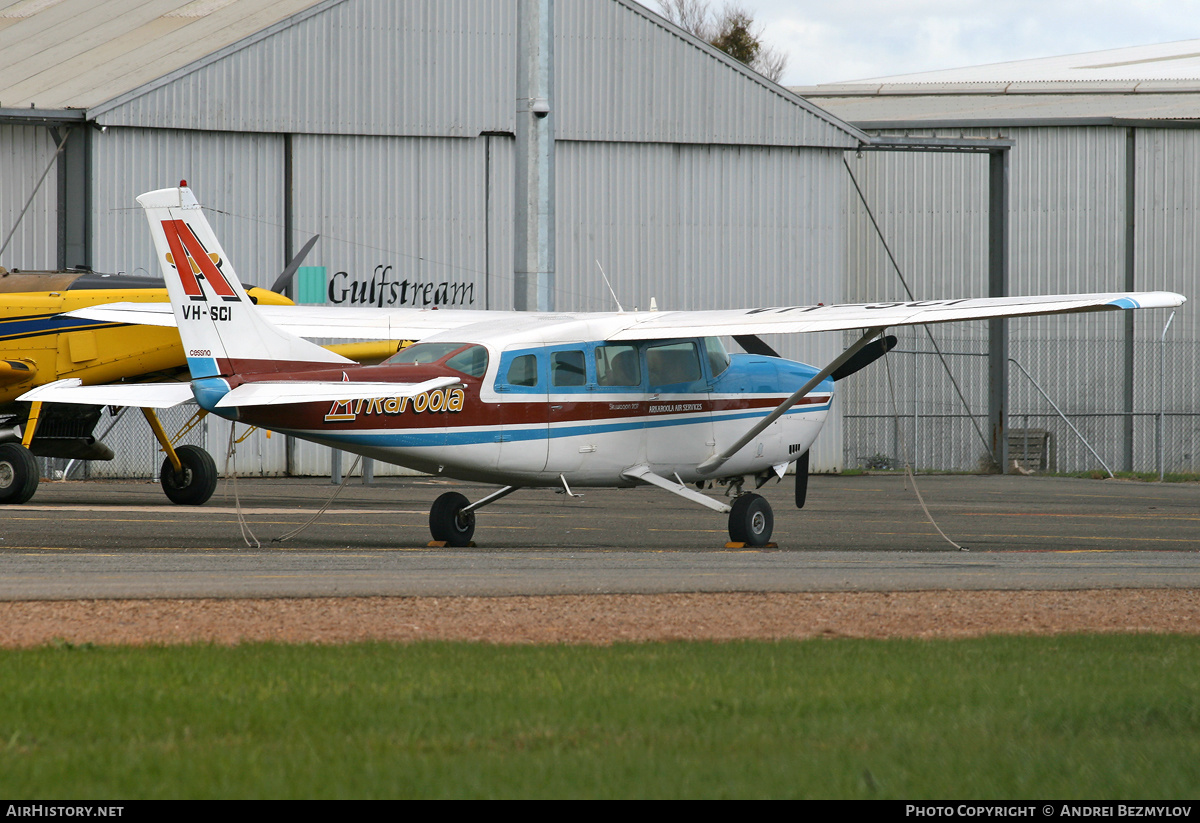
(18, 473)
(195, 482)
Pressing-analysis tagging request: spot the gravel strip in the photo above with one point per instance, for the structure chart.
(599, 619)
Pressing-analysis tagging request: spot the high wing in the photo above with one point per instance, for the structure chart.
(392, 324)
(797, 319)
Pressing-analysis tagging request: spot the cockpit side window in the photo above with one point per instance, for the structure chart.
(421, 354)
(470, 361)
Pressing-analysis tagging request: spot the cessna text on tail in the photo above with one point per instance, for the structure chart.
(526, 399)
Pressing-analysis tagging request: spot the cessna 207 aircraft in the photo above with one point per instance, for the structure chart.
(520, 399)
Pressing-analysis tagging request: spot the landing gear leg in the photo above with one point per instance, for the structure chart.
(188, 474)
(452, 517)
(751, 520)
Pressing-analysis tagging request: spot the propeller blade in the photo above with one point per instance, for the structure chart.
(865, 357)
(284, 281)
(754, 344)
(801, 481)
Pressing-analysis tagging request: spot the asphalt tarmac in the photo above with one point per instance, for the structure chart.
(123, 539)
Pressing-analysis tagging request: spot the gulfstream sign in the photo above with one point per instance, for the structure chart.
(384, 288)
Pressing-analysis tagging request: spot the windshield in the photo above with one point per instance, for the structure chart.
(467, 358)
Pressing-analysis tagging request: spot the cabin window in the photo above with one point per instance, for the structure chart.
(523, 371)
(618, 365)
(718, 358)
(673, 363)
(567, 368)
(470, 361)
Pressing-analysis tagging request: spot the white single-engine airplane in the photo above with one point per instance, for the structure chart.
(522, 399)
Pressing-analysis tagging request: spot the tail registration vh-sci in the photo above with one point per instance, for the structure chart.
(521, 399)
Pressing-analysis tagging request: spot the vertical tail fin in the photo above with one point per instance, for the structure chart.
(222, 332)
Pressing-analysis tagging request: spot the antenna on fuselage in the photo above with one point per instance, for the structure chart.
(610, 288)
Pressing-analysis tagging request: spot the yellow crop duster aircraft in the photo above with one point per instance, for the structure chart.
(39, 345)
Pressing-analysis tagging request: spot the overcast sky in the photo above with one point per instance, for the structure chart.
(831, 40)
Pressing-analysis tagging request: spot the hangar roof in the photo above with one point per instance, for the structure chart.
(384, 67)
(58, 54)
(1143, 83)
(1139, 83)
(1175, 63)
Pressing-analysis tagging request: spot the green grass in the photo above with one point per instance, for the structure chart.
(1100, 717)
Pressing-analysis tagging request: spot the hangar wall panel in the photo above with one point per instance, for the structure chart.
(25, 152)
(432, 67)
(1067, 234)
(625, 74)
(1168, 248)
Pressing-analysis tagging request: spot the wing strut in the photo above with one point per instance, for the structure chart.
(646, 475)
(717, 460)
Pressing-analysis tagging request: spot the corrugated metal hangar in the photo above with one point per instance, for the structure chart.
(1103, 194)
(394, 130)
(390, 129)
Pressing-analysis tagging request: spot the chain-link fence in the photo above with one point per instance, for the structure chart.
(1063, 422)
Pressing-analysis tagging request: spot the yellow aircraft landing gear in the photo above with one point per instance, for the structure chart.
(19, 473)
(188, 474)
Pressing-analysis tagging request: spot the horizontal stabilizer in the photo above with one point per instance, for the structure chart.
(142, 395)
(282, 392)
(341, 322)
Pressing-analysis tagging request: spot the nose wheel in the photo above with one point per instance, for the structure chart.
(751, 520)
(448, 522)
(452, 517)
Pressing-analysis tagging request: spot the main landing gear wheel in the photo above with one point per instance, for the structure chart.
(448, 523)
(195, 482)
(751, 520)
(19, 473)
